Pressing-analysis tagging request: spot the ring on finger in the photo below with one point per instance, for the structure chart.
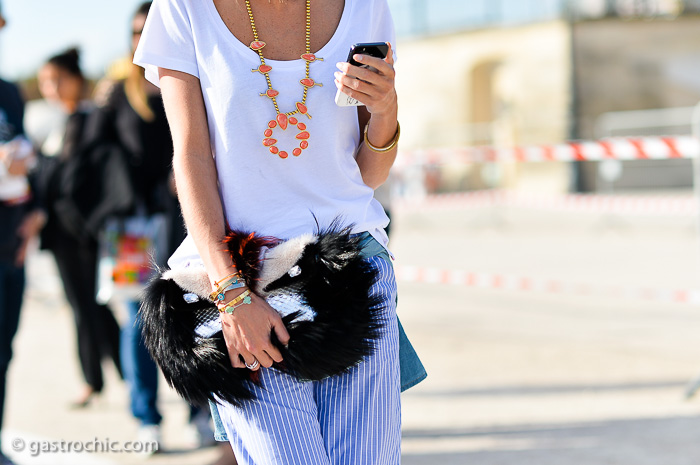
(253, 365)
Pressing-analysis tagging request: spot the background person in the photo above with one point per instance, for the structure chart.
(19, 222)
(131, 117)
(66, 194)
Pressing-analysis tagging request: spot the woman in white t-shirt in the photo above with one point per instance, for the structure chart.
(248, 154)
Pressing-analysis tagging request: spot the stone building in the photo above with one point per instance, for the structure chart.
(513, 73)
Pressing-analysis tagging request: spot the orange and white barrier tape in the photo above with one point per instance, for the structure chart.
(455, 200)
(637, 148)
(505, 282)
(662, 205)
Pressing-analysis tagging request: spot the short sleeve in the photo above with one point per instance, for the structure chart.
(167, 40)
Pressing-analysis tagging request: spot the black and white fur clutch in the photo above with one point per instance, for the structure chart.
(320, 286)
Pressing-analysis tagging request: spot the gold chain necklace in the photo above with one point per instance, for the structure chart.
(283, 120)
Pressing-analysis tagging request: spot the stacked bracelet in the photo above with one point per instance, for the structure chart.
(388, 147)
(220, 283)
(243, 299)
(230, 282)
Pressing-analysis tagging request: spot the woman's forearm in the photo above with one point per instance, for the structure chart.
(195, 180)
(194, 170)
(376, 91)
(375, 166)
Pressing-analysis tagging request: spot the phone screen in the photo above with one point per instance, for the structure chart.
(376, 49)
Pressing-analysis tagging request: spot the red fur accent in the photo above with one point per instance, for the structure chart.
(244, 249)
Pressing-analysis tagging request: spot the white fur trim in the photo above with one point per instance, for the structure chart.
(191, 278)
(280, 259)
(276, 262)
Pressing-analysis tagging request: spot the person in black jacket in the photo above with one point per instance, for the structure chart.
(13, 240)
(19, 222)
(130, 116)
(70, 192)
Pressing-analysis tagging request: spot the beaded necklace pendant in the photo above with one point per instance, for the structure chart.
(283, 120)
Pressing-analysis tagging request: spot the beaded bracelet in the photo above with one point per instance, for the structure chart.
(243, 299)
(388, 147)
(232, 281)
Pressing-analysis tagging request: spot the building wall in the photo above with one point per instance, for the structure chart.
(505, 86)
(512, 86)
(530, 80)
(637, 65)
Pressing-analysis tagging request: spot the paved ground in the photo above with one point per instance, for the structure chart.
(515, 378)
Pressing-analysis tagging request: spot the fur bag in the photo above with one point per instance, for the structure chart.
(320, 286)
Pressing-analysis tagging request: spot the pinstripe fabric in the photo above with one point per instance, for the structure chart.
(351, 419)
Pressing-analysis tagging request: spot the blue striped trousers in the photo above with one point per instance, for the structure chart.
(350, 419)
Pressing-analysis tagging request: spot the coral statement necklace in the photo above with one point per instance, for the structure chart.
(283, 120)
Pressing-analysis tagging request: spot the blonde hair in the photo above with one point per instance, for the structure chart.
(136, 93)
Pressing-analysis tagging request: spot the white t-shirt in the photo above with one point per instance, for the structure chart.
(260, 191)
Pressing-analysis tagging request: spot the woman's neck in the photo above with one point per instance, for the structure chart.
(281, 24)
(273, 5)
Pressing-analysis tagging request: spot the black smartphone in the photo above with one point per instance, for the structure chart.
(374, 49)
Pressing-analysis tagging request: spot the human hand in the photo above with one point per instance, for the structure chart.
(21, 255)
(32, 224)
(17, 167)
(247, 332)
(30, 227)
(17, 156)
(374, 89)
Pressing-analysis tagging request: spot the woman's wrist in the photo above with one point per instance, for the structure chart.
(381, 132)
(231, 282)
(244, 298)
(386, 148)
(219, 265)
(232, 299)
(387, 115)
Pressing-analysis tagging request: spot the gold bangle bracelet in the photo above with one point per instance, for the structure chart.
(388, 147)
(243, 299)
(232, 275)
(228, 284)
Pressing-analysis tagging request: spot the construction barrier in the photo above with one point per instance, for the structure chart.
(505, 282)
(646, 205)
(628, 148)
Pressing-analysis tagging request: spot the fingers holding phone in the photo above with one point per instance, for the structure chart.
(367, 78)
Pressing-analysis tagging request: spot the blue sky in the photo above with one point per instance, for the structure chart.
(435, 16)
(37, 29)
